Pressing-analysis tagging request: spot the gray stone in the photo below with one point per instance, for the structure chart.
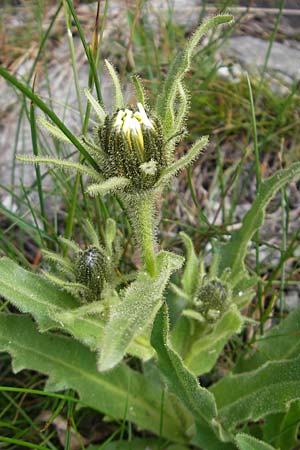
(251, 53)
(292, 299)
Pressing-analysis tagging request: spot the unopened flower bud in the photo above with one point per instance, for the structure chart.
(212, 300)
(92, 271)
(133, 143)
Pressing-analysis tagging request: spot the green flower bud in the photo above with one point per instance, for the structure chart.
(92, 270)
(133, 143)
(212, 300)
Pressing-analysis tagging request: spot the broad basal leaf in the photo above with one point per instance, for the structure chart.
(280, 342)
(31, 293)
(136, 311)
(120, 394)
(253, 395)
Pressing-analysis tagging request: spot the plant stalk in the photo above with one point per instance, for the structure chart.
(142, 217)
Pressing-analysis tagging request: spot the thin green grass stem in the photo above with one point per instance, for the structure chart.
(95, 55)
(31, 72)
(33, 425)
(194, 197)
(88, 52)
(37, 167)
(33, 214)
(285, 227)
(73, 58)
(270, 46)
(258, 183)
(28, 92)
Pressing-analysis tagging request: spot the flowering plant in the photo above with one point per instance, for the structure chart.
(132, 155)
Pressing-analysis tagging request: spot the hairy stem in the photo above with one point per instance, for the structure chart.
(142, 217)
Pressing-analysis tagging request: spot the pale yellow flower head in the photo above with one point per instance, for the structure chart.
(132, 124)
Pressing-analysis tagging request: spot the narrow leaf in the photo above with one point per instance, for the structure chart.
(191, 274)
(62, 164)
(58, 259)
(111, 185)
(181, 108)
(140, 96)
(54, 130)
(119, 101)
(233, 253)
(179, 67)
(96, 105)
(184, 161)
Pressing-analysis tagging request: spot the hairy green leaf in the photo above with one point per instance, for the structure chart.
(53, 307)
(62, 164)
(119, 101)
(180, 381)
(233, 253)
(139, 89)
(282, 429)
(184, 161)
(31, 293)
(191, 273)
(111, 185)
(122, 394)
(203, 353)
(96, 105)
(253, 395)
(280, 342)
(246, 442)
(136, 311)
(54, 130)
(179, 67)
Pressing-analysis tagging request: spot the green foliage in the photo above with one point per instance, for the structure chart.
(113, 311)
(63, 164)
(179, 379)
(203, 350)
(179, 67)
(33, 294)
(252, 395)
(278, 343)
(282, 429)
(119, 101)
(96, 106)
(136, 311)
(191, 274)
(232, 254)
(246, 442)
(122, 393)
